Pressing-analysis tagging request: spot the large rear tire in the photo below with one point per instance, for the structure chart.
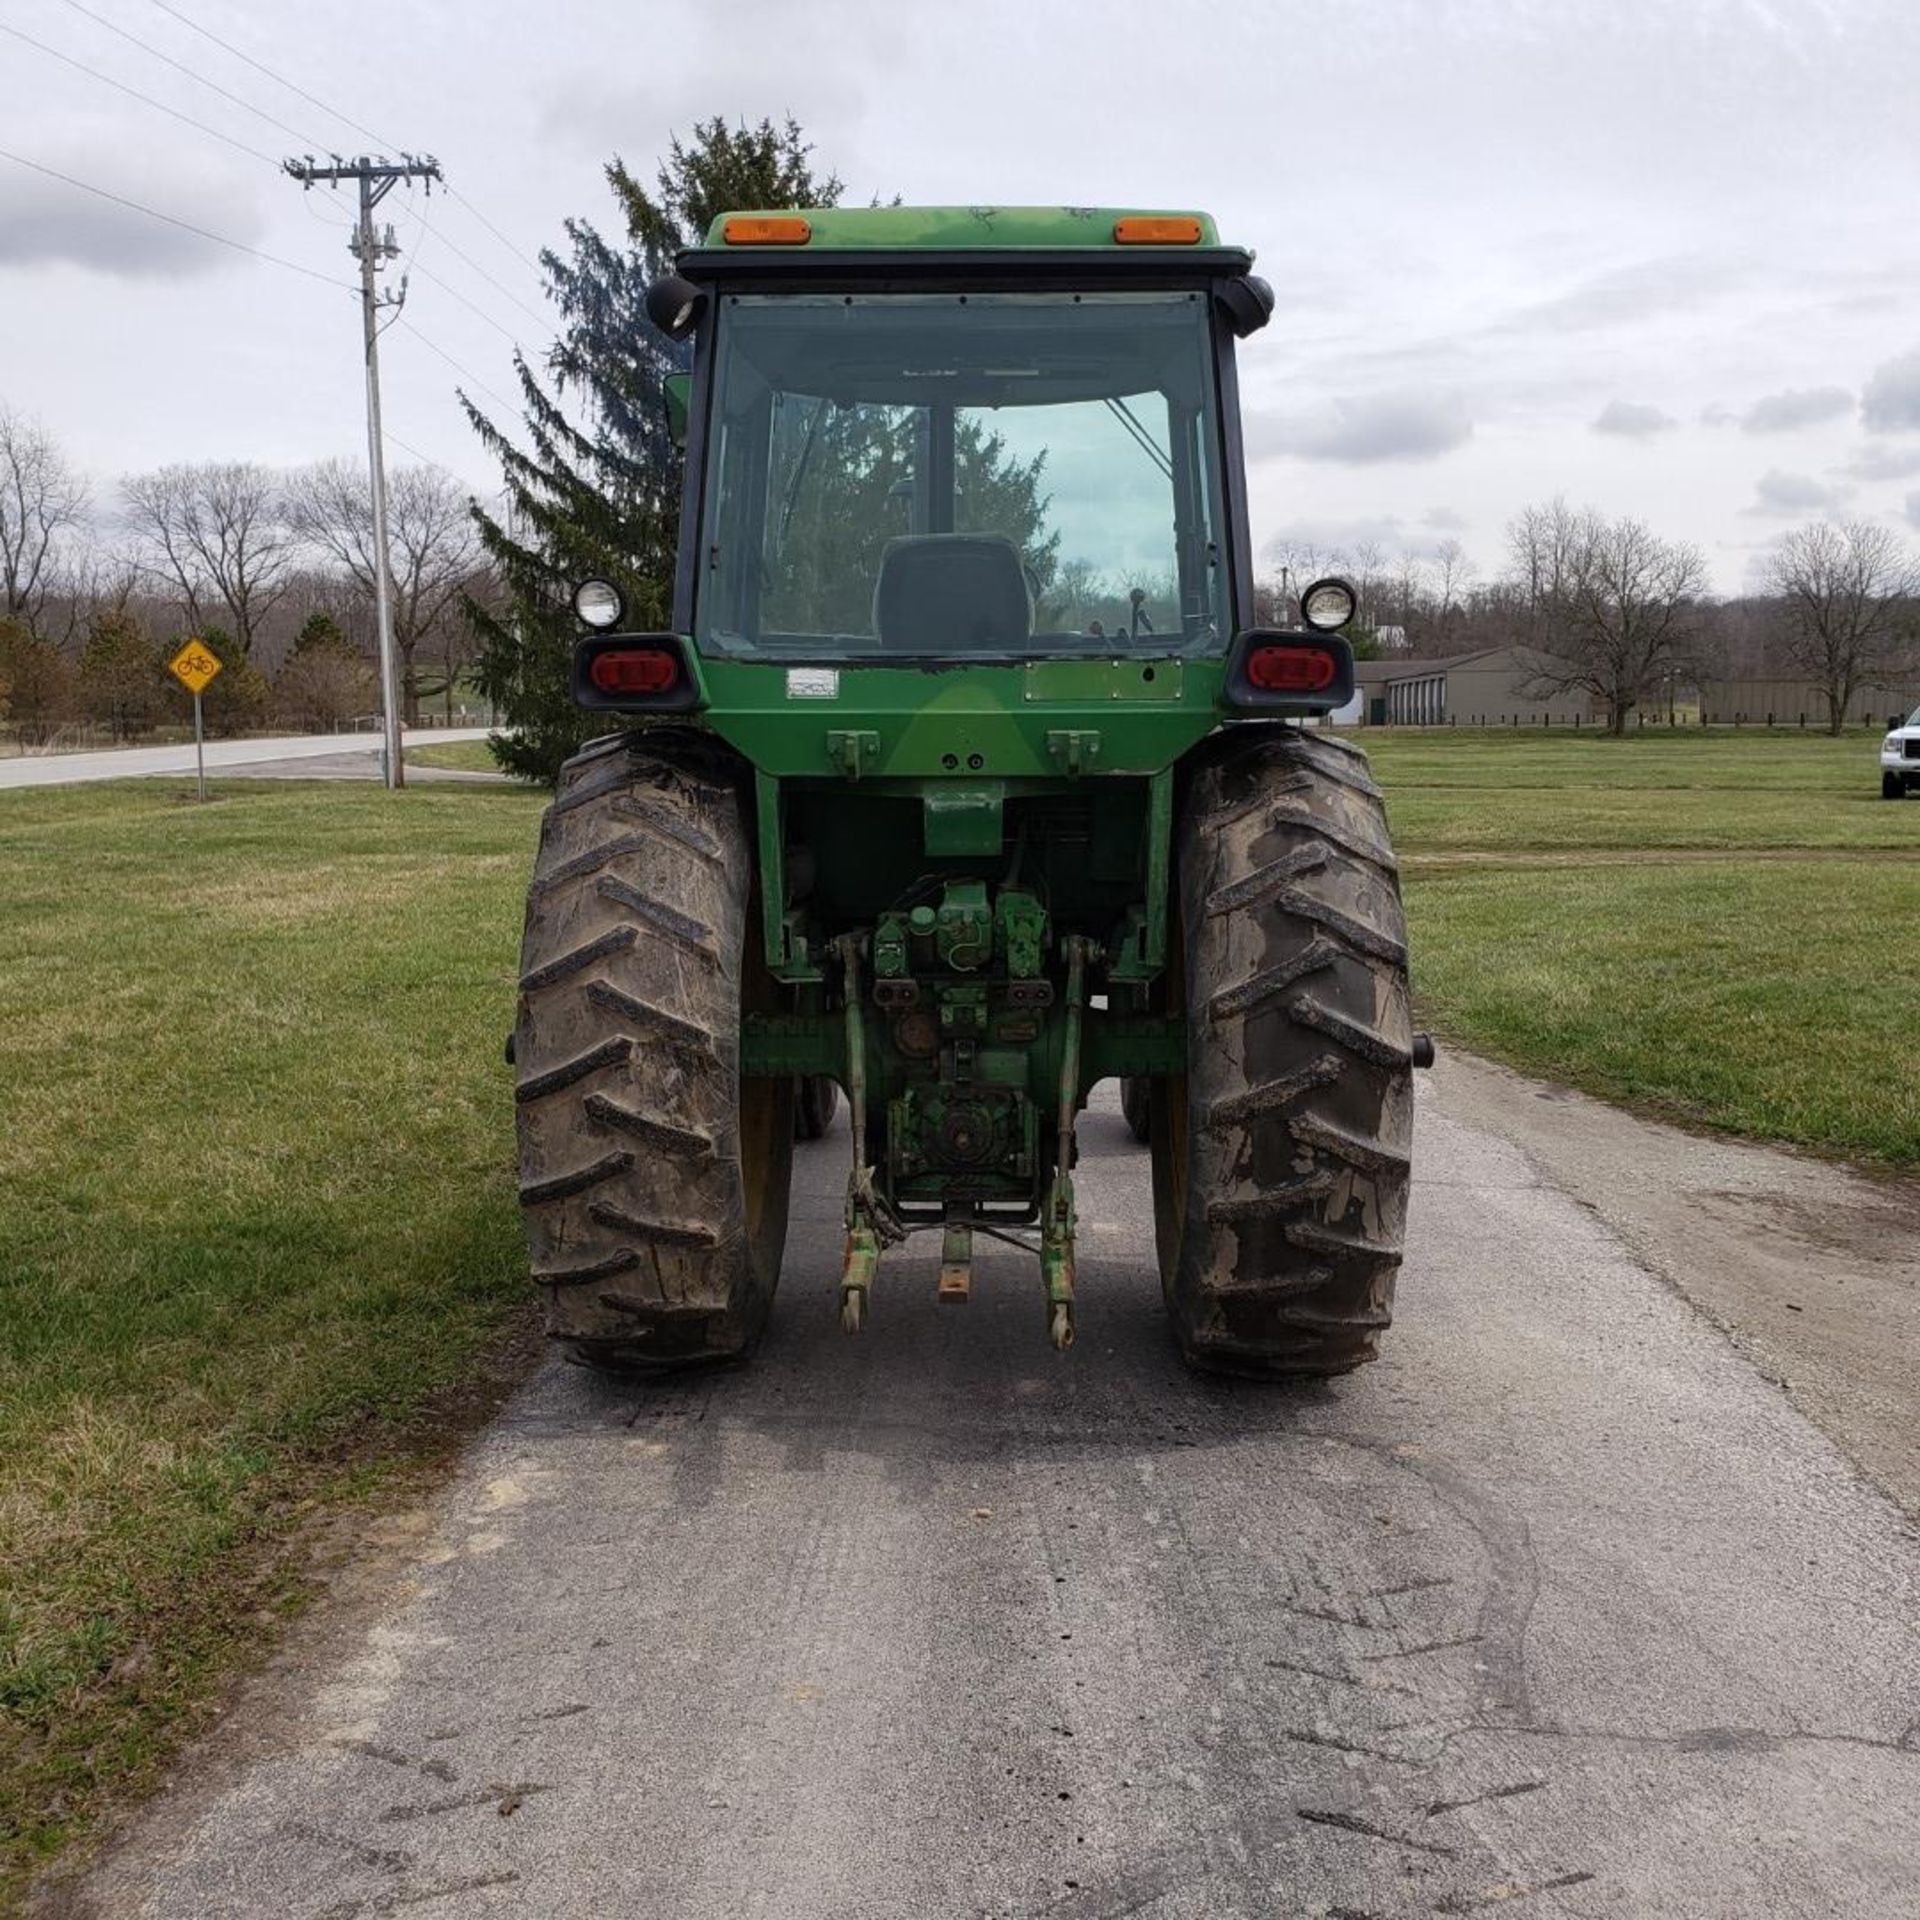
(1281, 1159)
(816, 1100)
(653, 1179)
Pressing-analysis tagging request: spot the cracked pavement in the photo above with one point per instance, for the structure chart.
(1565, 1606)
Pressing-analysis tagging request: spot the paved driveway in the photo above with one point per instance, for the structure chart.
(1563, 1608)
(120, 763)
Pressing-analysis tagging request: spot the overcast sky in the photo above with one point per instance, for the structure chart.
(1658, 255)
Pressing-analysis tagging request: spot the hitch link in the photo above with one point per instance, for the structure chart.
(867, 1227)
(1057, 1217)
(956, 1259)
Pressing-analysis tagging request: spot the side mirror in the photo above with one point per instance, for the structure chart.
(679, 392)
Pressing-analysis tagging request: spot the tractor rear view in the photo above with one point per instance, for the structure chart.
(964, 781)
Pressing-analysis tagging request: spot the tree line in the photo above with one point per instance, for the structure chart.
(272, 569)
(1609, 608)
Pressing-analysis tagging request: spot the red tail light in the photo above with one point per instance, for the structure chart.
(1291, 669)
(634, 670)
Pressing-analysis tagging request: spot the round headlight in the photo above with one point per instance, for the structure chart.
(1328, 605)
(598, 603)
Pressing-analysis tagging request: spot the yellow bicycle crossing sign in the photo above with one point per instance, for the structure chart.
(194, 666)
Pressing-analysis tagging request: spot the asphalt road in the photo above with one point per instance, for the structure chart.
(1565, 1607)
(225, 756)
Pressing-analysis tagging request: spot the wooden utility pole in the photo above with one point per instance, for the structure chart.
(376, 178)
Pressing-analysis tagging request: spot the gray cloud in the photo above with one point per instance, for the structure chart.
(1444, 520)
(1883, 463)
(45, 222)
(1715, 415)
(1795, 407)
(1328, 539)
(1362, 429)
(1632, 419)
(1890, 402)
(1628, 295)
(730, 58)
(1913, 509)
(1780, 492)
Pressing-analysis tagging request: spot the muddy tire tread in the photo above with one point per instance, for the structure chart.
(626, 1044)
(1283, 1259)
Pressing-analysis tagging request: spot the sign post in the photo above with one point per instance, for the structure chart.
(194, 666)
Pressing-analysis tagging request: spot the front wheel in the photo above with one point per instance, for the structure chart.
(1281, 1158)
(1893, 786)
(1136, 1108)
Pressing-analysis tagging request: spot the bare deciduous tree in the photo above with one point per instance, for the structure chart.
(1453, 579)
(432, 547)
(323, 688)
(42, 499)
(1847, 614)
(1612, 605)
(1300, 563)
(1542, 543)
(218, 531)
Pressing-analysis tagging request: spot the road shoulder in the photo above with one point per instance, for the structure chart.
(1807, 1266)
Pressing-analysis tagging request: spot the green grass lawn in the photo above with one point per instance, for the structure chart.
(1718, 927)
(256, 1213)
(465, 756)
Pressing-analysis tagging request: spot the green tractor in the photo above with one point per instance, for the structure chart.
(965, 781)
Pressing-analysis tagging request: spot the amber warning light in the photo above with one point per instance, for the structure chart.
(1157, 230)
(760, 230)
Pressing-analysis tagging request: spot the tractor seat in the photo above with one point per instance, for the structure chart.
(943, 593)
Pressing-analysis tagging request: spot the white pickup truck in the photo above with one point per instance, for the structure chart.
(1900, 760)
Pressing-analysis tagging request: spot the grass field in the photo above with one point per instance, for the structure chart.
(465, 756)
(256, 1212)
(1721, 928)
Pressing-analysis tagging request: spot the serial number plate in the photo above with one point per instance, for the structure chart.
(813, 683)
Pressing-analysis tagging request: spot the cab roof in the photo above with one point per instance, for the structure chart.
(960, 229)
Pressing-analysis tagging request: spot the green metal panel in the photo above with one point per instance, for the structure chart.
(1091, 682)
(962, 817)
(958, 227)
(944, 718)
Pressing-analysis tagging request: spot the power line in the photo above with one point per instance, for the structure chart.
(466, 373)
(425, 459)
(419, 214)
(280, 79)
(519, 253)
(260, 67)
(153, 213)
(135, 93)
(259, 113)
(428, 275)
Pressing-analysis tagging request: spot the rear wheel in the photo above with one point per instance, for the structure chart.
(1281, 1158)
(653, 1179)
(816, 1101)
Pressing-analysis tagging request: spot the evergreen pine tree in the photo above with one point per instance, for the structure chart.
(595, 489)
(321, 632)
(122, 675)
